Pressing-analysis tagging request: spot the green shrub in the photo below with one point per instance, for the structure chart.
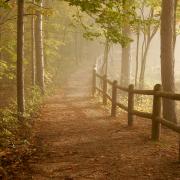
(12, 130)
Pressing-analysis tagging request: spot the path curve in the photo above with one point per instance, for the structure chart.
(77, 140)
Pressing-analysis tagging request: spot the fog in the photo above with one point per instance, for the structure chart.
(153, 68)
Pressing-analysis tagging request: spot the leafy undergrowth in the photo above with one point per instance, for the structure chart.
(15, 137)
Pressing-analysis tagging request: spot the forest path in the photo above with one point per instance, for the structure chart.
(77, 140)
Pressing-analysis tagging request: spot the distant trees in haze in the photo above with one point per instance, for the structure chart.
(37, 50)
(40, 45)
(116, 19)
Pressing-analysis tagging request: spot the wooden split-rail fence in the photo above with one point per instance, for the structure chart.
(155, 116)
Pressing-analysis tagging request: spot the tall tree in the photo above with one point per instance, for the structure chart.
(20, 56)
(137, 55)
(167, 56)
(39, 50)
(126, 51)
(125, 60)
(104, 69)
(33, 55)
(149, 28)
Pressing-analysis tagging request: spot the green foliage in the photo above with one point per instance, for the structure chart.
(7, 70)
(112, 16)
(60, 30)
(92, 6)
(59, 41)
(4, 4)
(9, 124)
(33, 100)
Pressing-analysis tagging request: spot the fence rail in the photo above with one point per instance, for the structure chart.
(155, 116)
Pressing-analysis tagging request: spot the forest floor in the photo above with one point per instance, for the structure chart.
(76, 139)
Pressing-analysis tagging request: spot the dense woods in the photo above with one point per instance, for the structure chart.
(43, 42)
(36, 54)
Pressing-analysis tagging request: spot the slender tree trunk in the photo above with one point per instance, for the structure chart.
(137, 58)
(167, 56)
(33, 55)
(20, 56)
(143, 65)
(76, 47)
(175, 18)
(80, 47)
(146, 44)
(125, 61)
(106, 55)
(142, 56)
(39, 51)
(104, 70)
(1, 40)
(126, 51)
(1, 45)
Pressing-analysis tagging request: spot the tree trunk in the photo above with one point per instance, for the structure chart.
(39, 51)
(20, 56)
(33, 55)
(125, 61)
(143, 65)
(76, 49)
(80, 47)
(175, 18)
(137, 58)
(146, 45)
(126, 51)
(104, 70)
(167, 57)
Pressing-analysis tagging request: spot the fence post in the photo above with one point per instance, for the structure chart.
(94, 82)
(156, 126)
(130, 104)
(104, 89)
(114, 99)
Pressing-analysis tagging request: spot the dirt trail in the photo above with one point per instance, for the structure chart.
(77, 140)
